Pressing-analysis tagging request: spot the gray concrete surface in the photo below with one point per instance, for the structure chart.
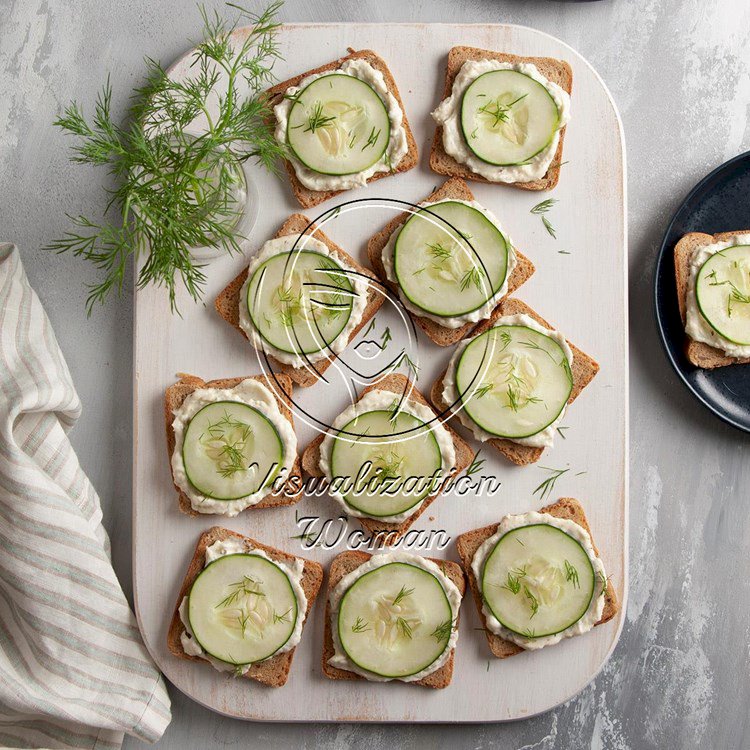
(679, 71)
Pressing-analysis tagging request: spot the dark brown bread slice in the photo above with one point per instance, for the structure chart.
(453, 188)
(228, 302)
(701, 355)
(176, 394)
(584, 369)
(308, 198)
(274, 671)
(344, 564)
(468, 543)
(384, 532)
(557, 71)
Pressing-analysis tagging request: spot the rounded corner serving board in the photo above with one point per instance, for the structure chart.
(580, 285)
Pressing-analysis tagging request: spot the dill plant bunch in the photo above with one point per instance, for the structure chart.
(176, 188)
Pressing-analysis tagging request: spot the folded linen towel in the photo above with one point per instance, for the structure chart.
(74, 672)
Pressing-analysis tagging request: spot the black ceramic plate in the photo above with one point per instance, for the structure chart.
(718, 203)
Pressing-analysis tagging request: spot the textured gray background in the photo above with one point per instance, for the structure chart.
(679, 71)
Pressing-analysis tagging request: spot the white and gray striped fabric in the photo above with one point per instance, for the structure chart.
(74, 672)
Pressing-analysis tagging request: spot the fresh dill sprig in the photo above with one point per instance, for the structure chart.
(410, 364)
(544, 206)
(571, 575)
(248, 585)
(360, 626)
(533, 601)
(483, 389)
(385, 337)
(315, 119)
(176, 191)
(560, 431)
(513, 584)
(546, 487)
(404, 627)
(550, 229)
(497, 111)
(281, 618)
(443, 631)
(475, 465)
(439, 252)
(372, 139)
(473, 277)
(402, 594)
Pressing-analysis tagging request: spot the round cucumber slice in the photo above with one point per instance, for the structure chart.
(242, 608)
(722, 291)
(416, 455)
(507, 117)
(338, 125)
(395, 620)
(445, 271)
(231, 450)
(300, 302)
(513, 381)
(538, 580)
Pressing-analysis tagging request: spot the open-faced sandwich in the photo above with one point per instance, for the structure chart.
(301, 300)
(392, 616)
(232, 444)
(343, 125)
(450, 263)
(537, 578)
(242, 607)
(503, 118)
(713, 291)
(511, 382)
(387, 457)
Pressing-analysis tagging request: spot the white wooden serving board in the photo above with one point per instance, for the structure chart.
(583, 294)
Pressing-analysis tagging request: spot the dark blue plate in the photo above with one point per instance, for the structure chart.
(720, 202)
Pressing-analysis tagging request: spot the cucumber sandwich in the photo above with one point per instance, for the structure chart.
(713, 278)
(537, 578)
(385, 455)
(502, 118)
(230, 442)
(343, 125)
(392, 616)
(242, 606)
(301, 302)
(512, 381)
(451, 262)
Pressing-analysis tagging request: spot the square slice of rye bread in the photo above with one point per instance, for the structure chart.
(273, 672)
(389, 533)
(457, 189)
(557, 71)
(308, 198)
(176, 394)
(344, 564)
(228, 302)
(584, 369)
(468, 543)
(701, 355)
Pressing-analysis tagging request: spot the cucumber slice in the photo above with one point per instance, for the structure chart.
(513, 381)
(231, 450)
(242, 608)
(722, 291)
(507, 117)
(397, 447)
(338, 125)
(538, 580)
(300, 302)
(449, 259)
(395, 620)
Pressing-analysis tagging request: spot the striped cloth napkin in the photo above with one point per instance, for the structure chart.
(74, 672)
